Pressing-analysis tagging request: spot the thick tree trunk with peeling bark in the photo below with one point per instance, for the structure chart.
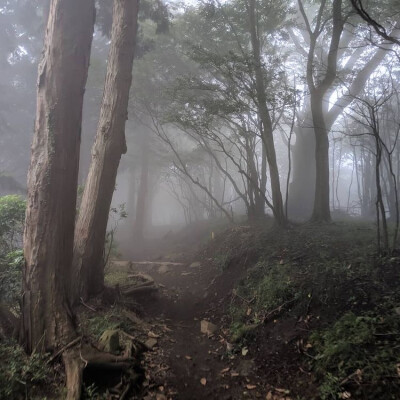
(52, 178)
(106, 154)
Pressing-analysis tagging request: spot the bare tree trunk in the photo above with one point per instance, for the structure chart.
(106, 153)
(142, 196)
(53, 175)
(278, 208)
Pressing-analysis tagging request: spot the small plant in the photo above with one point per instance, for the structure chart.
(221, 261)
(19, 373)
(11, 277)
(12, 216)
(359, 355)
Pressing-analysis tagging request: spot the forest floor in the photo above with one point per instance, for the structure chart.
(279, 302)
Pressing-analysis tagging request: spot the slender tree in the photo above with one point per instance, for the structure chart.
(52, 178)
(106, 153)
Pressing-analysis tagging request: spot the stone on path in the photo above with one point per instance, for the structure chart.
(163, 269)
(195, 264)
(151, 343)
(208, 327)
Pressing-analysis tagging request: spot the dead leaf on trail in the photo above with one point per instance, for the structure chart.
(225, 370)
(188, 357)
(284, 391)
(234, 374)
(251, 387)
(245, 350)
(345, 395)
(203, 381)
(248, 311)
(152, 335)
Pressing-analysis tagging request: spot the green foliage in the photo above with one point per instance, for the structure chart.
(12, 216)
(90, 392)
(221, 261)
(360, 355)
(19, 373)
(110, 320)
(11, 277)
(274, 289)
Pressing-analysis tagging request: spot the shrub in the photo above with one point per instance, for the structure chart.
(11, 277)
(359, 355)
(20, 373)
(12, 216)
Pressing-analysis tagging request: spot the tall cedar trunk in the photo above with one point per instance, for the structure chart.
(53, 173)
(321, 210)
(106, 153)
(142, 198)
(268, 139)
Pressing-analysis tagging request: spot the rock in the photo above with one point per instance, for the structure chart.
(208, 327)
(151, 343)
(163, 269)
(195, 264)
(109, 341)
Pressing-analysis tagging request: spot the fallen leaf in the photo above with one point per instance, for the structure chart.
(250, 387)
(248, 311)
(245, 350)
(203, 381)
(345, 395)
(234, 374)
(284, 391)
(225, 370)
(188, 357)
(152, 335)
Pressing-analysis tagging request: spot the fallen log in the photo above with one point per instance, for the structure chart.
(167, 263)
(139, 290)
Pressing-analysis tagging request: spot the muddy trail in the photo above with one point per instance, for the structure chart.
(186, 319)
(188, 362)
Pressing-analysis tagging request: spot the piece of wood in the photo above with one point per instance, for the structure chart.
(139, 290)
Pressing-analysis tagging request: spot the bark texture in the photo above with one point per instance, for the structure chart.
(106, 154)
(53, 172)
(268, 139)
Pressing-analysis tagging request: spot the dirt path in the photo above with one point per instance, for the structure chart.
(185, 363)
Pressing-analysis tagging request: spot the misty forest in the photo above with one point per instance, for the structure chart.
(200, 199)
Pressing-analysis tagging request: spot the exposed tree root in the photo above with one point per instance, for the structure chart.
(77, 359)
(139, 290)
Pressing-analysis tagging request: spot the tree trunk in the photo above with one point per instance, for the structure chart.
(302, 186)
(53, 174)
(321, 210)
(142, 197)
(106, 154)
(268, 139)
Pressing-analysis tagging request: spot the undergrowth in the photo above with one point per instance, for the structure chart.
(359, 357)
(331, 279)
(22, 375)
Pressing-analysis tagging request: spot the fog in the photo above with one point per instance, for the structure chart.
(198, 139)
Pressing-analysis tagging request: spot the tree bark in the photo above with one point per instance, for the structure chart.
(53, 174)
(268, 139)
(106, 154)
(303, 183)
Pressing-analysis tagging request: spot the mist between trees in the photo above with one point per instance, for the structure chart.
(237, 109)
